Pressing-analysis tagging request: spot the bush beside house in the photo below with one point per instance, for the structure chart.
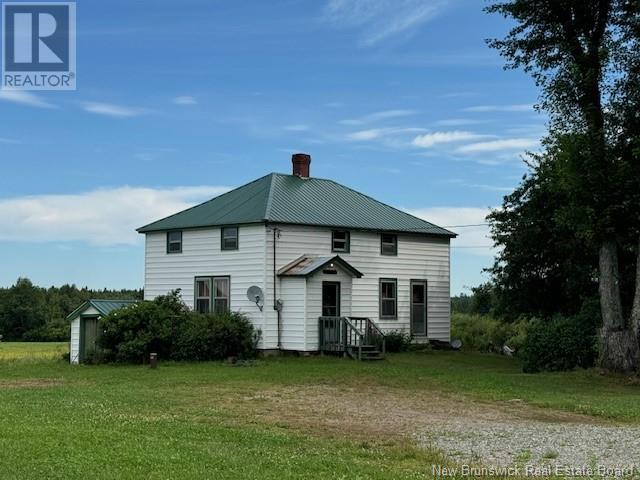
(167, 327)
(558, 343)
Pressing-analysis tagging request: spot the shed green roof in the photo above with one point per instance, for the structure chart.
(279, 198)
(103, 306)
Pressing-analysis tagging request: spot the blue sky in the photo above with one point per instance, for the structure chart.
(178, 101)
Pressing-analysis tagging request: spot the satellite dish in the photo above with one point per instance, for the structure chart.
(255, 294)
(456, 343)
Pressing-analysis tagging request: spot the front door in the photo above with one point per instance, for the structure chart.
(88, 336)
(419, 308)
(330, 299)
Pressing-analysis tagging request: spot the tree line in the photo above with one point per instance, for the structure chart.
(32, 313)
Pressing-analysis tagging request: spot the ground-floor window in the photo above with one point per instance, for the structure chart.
(388, 298)
(221, 294)
(203, 295)
(212, 294)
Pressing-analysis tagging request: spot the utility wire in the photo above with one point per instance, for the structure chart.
(463, 226)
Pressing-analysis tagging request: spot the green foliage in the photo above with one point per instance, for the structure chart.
(482, 300)
(22, 310)
(130, 334)
(397, 341)
(563, 343)
(484, 333)
(547, 262)
(37, 314)
(461, 303)
(167, 327)
(216, 337)
(585, 57)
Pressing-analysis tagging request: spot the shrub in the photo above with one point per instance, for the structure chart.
(397, 341)
(167, 327)
(485, 333)
(563, 343)
(216, 337)
(49, 332)
(130, 334)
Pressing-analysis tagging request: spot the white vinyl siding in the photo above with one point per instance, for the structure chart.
(419, 257)
(293, 291)
(314, 302)
(201, 257)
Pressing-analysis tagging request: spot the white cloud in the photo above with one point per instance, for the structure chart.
(499, 145)
(376, 133)
(185, 100)
(9, 141)
(106, 216)
(377, 116)
(379, 20)
(430, 139)
(471, 239)
(457, 122)
(111, 110)
(296, 128)
(520, 107)
(24, 98)
(364, 135)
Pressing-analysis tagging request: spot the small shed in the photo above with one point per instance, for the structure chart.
(84, 325)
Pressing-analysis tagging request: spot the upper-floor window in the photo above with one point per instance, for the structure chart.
(388, 244)
(340, 241)
(174, 242)
(388, 298)
(229, 238)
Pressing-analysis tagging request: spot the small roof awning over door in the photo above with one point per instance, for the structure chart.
(308, 265)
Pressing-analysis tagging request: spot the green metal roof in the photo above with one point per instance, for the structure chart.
(279, 198)
(103, 306)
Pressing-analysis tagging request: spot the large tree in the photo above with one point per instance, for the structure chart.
(543, 265)
(583, 55)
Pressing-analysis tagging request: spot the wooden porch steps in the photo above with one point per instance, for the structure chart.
(358, 338)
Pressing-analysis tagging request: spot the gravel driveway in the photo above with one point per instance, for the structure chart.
(469, 432)
(534, 442)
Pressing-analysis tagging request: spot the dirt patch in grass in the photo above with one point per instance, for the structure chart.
(467, 430)
(369, 410)
(30, 383)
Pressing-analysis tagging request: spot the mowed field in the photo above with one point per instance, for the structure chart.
(274, 418)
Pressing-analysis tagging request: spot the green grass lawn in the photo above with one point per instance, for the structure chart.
(32, 350)
(181, 420)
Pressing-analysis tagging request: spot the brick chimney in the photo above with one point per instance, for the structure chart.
(301, 163)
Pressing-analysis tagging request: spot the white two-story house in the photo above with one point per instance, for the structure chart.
(311, 248)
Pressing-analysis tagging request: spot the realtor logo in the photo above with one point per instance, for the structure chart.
(39, 46)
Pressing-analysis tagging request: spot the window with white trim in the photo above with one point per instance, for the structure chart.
(212, 294)
(388, 244)
(388, 298)
(229, 238)
(174, 241)
(340, 241)
(203, 295)
(221, 294)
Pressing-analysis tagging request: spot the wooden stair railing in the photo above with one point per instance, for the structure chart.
(357, 337)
